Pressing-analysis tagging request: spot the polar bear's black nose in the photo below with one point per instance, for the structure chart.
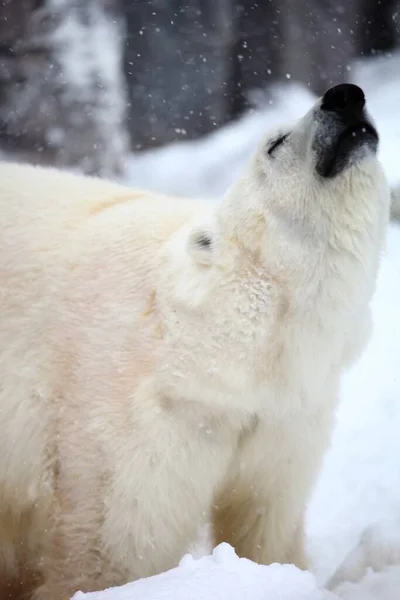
(343, 98)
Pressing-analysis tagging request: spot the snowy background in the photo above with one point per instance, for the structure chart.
(63, 101)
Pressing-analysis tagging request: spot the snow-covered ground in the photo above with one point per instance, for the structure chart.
(360, 482)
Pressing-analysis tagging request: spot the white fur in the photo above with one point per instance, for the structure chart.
(149, 382)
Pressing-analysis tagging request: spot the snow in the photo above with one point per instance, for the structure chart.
(222, 576)
(354, 515)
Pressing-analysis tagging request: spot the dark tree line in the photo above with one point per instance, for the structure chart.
(82, 81)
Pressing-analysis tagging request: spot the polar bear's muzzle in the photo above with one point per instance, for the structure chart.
(344, 130)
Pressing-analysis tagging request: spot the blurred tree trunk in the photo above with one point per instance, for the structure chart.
(62, 97)
(377, 29)
(258, 49)
(179, 67)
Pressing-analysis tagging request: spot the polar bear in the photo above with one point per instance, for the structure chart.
(166, 363)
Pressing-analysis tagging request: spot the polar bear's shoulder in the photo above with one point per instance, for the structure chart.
(39, 186)
(51, 194)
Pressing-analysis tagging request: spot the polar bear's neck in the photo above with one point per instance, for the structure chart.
(328, 252)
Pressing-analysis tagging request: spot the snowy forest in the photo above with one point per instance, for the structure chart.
(83, 82)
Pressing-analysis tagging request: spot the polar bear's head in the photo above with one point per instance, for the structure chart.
(335, 135)
(307, 177)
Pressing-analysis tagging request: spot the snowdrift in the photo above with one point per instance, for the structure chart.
(221, 576)
(224, 576)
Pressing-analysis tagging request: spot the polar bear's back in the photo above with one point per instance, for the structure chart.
(38, 205)
(42, 208)
(33, 189)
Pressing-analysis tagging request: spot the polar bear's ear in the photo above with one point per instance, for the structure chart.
(200, 245)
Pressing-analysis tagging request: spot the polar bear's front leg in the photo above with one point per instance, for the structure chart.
(71, 559)
(261, 510)
(264, 535)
